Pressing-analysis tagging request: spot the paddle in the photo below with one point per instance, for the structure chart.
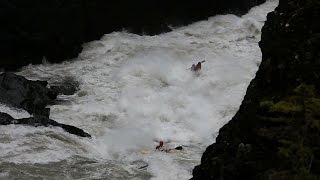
(200, 62)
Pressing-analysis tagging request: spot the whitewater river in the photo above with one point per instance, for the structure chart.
(135, 91)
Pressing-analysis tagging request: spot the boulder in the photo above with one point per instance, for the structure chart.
(32, 96)
(36, 121)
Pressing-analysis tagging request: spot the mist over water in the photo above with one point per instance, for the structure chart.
(135, 91)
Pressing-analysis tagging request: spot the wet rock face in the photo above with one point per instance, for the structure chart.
(56, 29)
(32, 96)
(275, 133)
(290, 43)
(36, 121)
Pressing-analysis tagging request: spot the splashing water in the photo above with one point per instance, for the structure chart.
(135, 91)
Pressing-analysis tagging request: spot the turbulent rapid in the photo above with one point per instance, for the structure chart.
(135, 91)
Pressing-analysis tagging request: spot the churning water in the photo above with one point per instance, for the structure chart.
(135, 91)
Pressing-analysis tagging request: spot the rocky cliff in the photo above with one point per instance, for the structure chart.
(275, 133)
(56, 29)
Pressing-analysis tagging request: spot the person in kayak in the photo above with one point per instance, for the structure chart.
(196, 67)
(162, 149)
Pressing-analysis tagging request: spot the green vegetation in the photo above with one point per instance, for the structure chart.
(305, 90)
(286, 107)
(299, 110)
(299, 156)
(312, 106)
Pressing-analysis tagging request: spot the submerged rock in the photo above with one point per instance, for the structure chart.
(68, 86)
(276, 132)
(6, 119)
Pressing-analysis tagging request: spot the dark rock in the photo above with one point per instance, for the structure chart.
(32, 96)
(36, 121)
(6, 119)
(57, 29)
(276, 132)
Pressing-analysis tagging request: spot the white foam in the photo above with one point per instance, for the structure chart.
(27, 144)
(14, 112)
(4, 175)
